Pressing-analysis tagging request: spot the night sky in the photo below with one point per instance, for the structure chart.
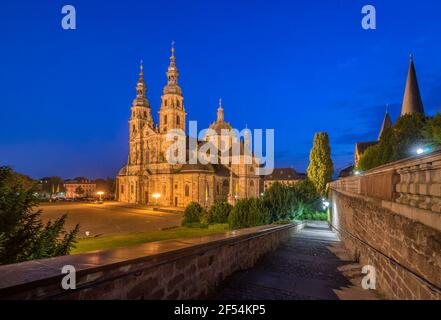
(65, 96)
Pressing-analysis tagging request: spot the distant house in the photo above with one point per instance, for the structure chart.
(346, 172)
(286, 176)
(80, 189)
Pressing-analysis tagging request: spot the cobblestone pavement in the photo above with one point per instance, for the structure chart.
(313, 264)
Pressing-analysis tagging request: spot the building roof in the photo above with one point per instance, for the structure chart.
(412, 102)
(346, 172)
(360, 147)
(285, 174)
(387, 123)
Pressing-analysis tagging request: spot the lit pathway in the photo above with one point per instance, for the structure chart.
(312, 265)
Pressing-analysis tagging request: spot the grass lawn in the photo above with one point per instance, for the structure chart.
(123, 240)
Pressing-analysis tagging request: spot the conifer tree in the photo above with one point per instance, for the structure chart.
(321, 168)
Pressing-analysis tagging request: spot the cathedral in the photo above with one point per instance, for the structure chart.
(148, 178)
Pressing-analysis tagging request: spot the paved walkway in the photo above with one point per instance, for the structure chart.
(311, 265)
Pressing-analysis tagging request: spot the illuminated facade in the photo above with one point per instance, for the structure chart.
(147, 171)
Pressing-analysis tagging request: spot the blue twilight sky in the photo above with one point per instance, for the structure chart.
(295, 66)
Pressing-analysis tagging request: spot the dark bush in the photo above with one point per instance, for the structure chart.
(219, 212)
(193, 214)
(249, 213)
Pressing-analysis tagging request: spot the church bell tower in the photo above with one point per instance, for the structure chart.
(172, 113)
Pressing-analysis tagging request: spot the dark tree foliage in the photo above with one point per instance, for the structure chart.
(248, 213)
(278, 199)
(219, 212)
(321, 168)
(22, 234)
(400, 141)
(193, 214)
(432, 130)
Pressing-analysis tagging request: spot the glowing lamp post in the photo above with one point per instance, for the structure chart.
(100, 193)
(156, 196)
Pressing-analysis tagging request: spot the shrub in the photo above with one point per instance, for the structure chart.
(219, 212)
(249, 213)
(278, 199)
(193, 214)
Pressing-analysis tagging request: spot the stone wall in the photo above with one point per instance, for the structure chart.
(389, 218)
(175, 269)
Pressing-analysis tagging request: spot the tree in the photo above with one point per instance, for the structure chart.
(22, 234)
(321, 168)
(400, 141)
(432, 130)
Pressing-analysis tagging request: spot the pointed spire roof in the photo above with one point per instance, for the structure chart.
(412, 102)
(172, 86)
(387, 123)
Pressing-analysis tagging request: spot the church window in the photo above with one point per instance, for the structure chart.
(132, 189)
(133, 128)
(176, 186)
(217, 189)
(178, 103)
(226, 183)
(187, 190)
(164, 190)
(165, 102)
(251, 183)
(165, 119)
(178, 120)
(122, 189)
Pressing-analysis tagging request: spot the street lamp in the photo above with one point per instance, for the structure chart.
(156, 196)
(420, 151)
(100, 193)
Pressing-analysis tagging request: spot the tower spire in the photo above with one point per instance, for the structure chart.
(220, 112)
(387, 123)
(412, 102)
(172, 75)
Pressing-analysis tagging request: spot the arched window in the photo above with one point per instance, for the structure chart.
(187, 190)
(133, 128)
(165, 119)
(165, 102)
(122, 189)
(178, 120)
(251, 183)
(178, 103)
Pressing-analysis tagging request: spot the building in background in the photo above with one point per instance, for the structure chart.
(412, 103)
(149, 178)
(285, 176)
(81, 188)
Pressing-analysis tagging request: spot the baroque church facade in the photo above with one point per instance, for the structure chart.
(148, 178)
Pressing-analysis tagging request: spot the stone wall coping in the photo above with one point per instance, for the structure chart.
(426, 217)
(404, 163)
(31, 274)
